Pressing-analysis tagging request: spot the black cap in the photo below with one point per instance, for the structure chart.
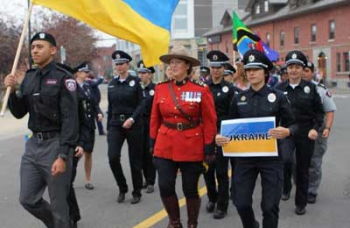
(83, 67)
(217, 58)
(229, 69)
(311, 66)
(296, 57)
(238, 60)
(205, 69)
(44, 36)
(120, 57)
(143, 69)
(254, 59)
(66, 67)
(283, 70)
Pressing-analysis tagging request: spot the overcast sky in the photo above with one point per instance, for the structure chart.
(18, 9)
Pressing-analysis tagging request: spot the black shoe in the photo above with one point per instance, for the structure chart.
(144, 185)
(311, 199)
(219, 214)
(121, 197)
(89, 186)
(300, 210)
(257, 225)
(285, 196)
(210, 207)
(150, 189)
(135, 199)
(73, 224)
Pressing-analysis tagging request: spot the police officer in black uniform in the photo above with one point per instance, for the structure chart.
(229, 72)
(126, 105)
(149, 172)
(260, 100)
(48, 94)
(308, 112)
(223, 93)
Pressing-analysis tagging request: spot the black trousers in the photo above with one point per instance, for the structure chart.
(115, 138)
(167, 173)
(74, 212)
(287, 152)
(149, 172)
(246, 173)
(304, 148)
(219, 169)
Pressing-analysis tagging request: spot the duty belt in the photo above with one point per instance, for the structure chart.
(45, 135)
(180, 126)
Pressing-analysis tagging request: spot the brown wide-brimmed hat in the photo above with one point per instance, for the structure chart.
(179, 52)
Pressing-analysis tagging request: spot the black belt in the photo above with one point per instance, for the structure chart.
(121, 117)
(45, 135)
(180, 126)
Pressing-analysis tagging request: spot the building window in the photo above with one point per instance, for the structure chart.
(346, 61)
(268, 39)
(180, 23)
(296, 35)
(282, 38)
(313, 33)
(257, 8)
(266, 6)
(227, 48)
(331, 30)
(338, 62)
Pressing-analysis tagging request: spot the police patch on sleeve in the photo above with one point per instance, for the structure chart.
(71, 84)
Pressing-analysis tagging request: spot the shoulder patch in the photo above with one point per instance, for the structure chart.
(329, 94)
(70, 84)
(198, 82)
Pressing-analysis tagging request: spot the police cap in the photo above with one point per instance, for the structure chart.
(296, 57)
(120, 57)
(217, 58)
(141, 68)
(311, 66)
(83, 67)
(283, 69)
(44, 36)
(204, 69)
(229, 69)
(254, 59)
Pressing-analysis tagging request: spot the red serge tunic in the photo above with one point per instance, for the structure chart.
(187, 145)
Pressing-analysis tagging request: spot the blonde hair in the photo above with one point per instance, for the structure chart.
(241, 73)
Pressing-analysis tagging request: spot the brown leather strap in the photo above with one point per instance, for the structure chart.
(178, 105)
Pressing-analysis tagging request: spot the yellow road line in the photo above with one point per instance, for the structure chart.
(157, 217)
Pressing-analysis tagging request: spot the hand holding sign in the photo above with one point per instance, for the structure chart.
(279, 132)
(221, 140)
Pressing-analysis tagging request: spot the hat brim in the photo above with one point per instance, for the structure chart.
(166, 59)
(295, 61)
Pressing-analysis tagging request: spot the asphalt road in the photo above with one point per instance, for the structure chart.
(100, 210)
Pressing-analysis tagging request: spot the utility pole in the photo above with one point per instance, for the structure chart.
(29, 37)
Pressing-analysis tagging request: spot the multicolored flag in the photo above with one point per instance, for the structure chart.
(243, 38)
(146, 22)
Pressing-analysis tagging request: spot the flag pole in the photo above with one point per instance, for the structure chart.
(15, 62)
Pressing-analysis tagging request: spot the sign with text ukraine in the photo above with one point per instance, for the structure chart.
(249, 137)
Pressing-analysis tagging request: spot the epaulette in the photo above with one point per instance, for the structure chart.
(64, 70)
(322, 86)
(31, 70)
(198, 82)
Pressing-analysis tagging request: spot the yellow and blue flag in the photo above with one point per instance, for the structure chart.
(249, 137)
(146, 23)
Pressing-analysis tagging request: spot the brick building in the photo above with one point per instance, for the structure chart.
(319, 28)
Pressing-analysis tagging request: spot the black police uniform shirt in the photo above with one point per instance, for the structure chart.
(88, 109)
(306, 103)
(266, 102)
(50, 97)
(223, 93)
(149, 95)
(125, 98)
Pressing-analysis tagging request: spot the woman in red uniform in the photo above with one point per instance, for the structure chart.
(182, 131)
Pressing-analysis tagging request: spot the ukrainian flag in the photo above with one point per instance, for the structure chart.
(145, 22)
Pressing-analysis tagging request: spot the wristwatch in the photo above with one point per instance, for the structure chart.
(62, 156)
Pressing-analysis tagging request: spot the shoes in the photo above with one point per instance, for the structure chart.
(135, 199)
(300, 210)
(257, 225)
(219, 214)
(210, 207)
(144, 185)
(73, 224)
(311, 199)
(89, 186)
(103, 133)
(150, 189)
(285, 196)
(121, 197)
